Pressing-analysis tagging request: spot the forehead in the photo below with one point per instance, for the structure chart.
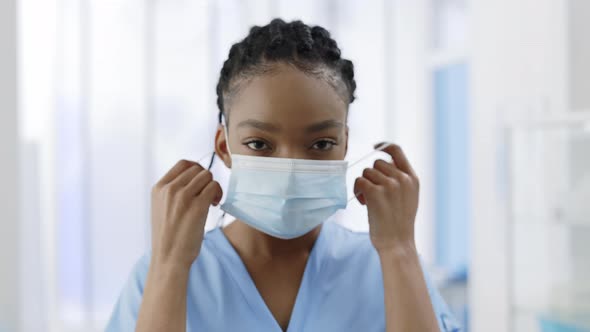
(288, 97)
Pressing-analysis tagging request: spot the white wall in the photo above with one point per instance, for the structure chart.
(518, 57)
(409, 122)
(9, 234)
(37, 46)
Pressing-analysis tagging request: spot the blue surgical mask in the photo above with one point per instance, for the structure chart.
(285, 198)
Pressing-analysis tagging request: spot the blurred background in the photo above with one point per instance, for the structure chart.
(490, 100)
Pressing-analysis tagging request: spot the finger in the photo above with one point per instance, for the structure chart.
(198, 182)
(365, 187)
(399, 158)
(384, 167)
(212, 193)
(391, 171)
(357, 192)
(177, 169)
(185, 177)
(375, 176)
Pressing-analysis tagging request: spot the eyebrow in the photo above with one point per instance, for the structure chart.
(272, 128)
(324, 125)
(258, 125)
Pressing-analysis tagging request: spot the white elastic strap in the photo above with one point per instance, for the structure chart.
(208, 154)
(220, 220)
(353, 197)
(377, 149)
(224, 124)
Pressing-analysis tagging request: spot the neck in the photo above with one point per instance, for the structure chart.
(250, 241)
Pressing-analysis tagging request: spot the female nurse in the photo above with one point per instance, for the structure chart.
(283, 97)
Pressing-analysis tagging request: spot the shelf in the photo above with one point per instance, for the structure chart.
(547, 223)
(548, 234)
(579, 119)
(531, 318)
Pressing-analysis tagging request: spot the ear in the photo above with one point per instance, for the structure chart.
(221, 146)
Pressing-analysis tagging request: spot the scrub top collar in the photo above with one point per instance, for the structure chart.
(234, 266)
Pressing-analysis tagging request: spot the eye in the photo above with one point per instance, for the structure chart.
(257, 145)
(323, 145)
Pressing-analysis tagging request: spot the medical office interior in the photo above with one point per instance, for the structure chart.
(489, 99)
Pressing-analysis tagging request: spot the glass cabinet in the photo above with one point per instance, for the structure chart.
(548, 234)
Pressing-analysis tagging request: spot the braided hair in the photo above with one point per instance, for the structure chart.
(310, 49)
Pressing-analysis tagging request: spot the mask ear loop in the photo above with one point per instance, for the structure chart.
(380, 147)
(219, 221)
(221, 119)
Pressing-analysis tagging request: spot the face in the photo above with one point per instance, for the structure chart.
(285, 114)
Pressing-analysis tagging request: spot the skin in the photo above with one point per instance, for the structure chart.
(292, 115)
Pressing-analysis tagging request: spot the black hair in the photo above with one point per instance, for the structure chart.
(310, 49)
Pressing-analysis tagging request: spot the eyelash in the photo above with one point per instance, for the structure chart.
(331, 143)
(249, 143)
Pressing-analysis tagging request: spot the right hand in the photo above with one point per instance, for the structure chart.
(180, 203)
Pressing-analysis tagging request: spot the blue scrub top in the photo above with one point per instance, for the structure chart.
(341, 290)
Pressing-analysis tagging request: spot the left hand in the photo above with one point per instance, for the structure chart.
(390, 191)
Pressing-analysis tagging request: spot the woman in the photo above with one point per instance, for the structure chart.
(283, 96)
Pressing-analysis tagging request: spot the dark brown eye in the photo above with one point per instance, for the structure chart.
(257, 145)
(323, 145)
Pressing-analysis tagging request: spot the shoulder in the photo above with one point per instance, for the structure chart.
(136, 280)
(126, 309)
(352, 254)
(343, 243)
(347, 252)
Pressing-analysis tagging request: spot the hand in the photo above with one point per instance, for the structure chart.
(180, 203)
(390, 192)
